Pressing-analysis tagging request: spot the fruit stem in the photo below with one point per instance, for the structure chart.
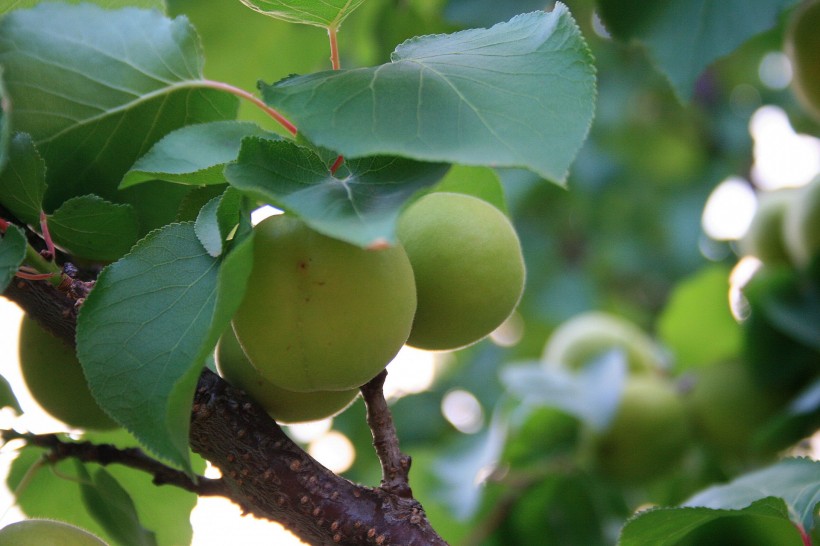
(241, 93)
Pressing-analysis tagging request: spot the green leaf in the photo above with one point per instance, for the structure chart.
(796, 481)
(592, 394)
(683, 37)
(323, 13)
(194, 155)
(668, 526)
(714, 335)
(217, 219)
(93, 228)
(110, 4)
(56, 494)
(141, 366)
(23, 182)
(520, 94)
(12, 252)
(7, 398)
(112, 507)
(360, 203)
(96, 88)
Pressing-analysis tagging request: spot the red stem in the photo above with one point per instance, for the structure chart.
(47, 236)
(804, 535)
(241, 93)
(34, 276)
(334, 48)
(4, 225)
(336, 164)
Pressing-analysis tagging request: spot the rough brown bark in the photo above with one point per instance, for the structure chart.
(263, 471)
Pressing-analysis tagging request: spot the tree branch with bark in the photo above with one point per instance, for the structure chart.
(263, 471)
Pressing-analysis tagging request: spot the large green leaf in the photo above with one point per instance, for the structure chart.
(796, 481)
(360, 203)
(787, 490)
(93, 228)
(323, 13)
(685, 36)
(520, 94)
(668, 526)
(12, 252)
(23, 181)
(96, 88)
(142, 367)
(194, 155)
(12, 5)
(713, 335)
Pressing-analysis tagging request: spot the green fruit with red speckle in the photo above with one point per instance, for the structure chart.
(283, 405)
(320, 314)
(468, 267)
(55, 379)
(46, 532)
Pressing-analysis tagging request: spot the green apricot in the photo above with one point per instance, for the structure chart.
(283, 405)
(468, 267)
(728, 407)
(46, 532)
(320, 314)
(802, 46)
(764, 238)
(584, 337)
(801, 225)
(55, 379)
(648, 435)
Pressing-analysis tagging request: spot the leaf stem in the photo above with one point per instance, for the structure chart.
(241, 93)
(50, 251)
(334, 47)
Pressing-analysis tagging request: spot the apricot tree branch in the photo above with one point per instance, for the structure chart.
(263, 471)
(106, 454)
(395, 465)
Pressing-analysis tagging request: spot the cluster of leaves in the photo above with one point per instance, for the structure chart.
(111, 131)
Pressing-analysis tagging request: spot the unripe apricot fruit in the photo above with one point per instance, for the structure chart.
(802, 46)
(320, 314)
(765, 237)
(801, 224)
(55, 379)
(46, 532)
(648, 434)
(283, 405)
(586, 336)
(468, 266)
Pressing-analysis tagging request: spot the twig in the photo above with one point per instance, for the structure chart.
(106, 454)
(395, 465)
